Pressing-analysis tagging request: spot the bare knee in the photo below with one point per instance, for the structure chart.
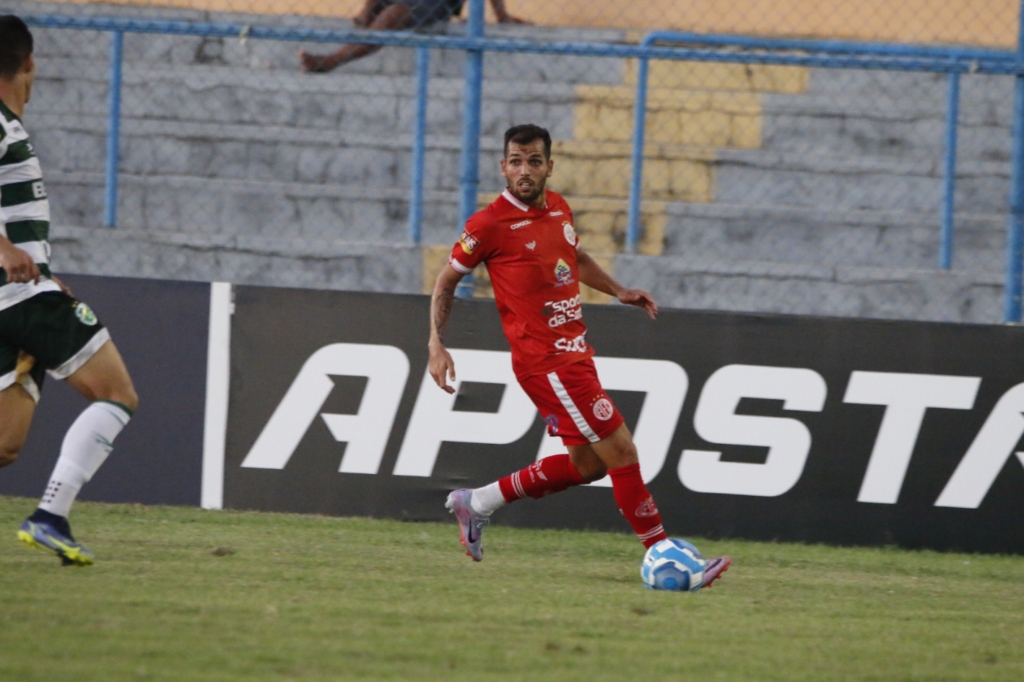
(587, 463)
(594, 471)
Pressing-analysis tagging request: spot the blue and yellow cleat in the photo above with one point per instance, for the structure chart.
(45, 536)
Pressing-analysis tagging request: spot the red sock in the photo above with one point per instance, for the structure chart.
(636, 504)
(549, 475)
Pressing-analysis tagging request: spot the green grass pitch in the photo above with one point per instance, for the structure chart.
(182, 594)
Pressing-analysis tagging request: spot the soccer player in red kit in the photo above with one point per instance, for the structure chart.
(536, 264)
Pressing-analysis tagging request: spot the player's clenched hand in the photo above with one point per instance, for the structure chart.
(19, 265)
(640, 299)
(442, 367)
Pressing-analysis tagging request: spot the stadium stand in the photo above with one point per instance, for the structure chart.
(775, 189)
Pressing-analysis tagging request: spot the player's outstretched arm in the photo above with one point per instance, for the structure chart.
(441, 365)
(594, 276)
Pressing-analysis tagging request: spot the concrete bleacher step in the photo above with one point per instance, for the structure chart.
(215, 151)
(242, 259)
(252, 207)
(756, 177)
(812, 289)
(358, 214)
(829, 237)
(882, 125)
(274, 55)
(356, 104)
(855, 84)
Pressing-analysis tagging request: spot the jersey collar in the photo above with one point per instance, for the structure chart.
(510, 198)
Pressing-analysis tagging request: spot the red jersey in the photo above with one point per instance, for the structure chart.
(530, 254)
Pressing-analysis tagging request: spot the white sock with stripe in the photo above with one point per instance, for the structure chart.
(488, 499)
(86, 446)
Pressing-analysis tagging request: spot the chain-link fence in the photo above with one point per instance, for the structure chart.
(766, 186)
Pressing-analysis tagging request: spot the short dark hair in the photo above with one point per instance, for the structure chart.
(15, 45)
(527, 133)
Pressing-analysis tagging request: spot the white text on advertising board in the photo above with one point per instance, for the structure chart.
(906, 398)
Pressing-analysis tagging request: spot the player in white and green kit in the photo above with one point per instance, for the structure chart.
(42, 327)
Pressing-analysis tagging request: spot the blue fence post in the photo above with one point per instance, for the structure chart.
(1015, 223)
(113, 129)
(636, 181)
(949, 188)
(419, 145)
(471, 106)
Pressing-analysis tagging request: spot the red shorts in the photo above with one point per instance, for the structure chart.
(573, 403)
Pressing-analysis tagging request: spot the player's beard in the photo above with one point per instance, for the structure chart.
(538, 190)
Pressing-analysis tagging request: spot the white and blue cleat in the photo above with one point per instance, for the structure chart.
(471, 523)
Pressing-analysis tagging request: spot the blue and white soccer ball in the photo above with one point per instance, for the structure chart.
(673, 565)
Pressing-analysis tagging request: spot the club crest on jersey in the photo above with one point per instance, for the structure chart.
(563, 273)
(570, 234)
(468, 242)
(85, 314)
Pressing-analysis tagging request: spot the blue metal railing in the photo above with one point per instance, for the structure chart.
(419, 145)
(472, 104)
(686, 46)
(1015, 223)
(113, 129)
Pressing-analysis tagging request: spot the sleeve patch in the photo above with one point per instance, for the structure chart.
(469, 243)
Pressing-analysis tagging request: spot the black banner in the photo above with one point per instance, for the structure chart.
(750, 426)
(161, 330)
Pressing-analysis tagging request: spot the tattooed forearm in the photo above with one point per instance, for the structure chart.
(442, 310)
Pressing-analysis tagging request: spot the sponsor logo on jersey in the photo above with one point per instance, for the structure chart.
(555, 214)
(531, 245)
(561, 312)
(603, 409)
(85, 314)
(577, 344)
(468, 242)
(647, 508)
(563, 273)
(570, 234)
(521, 224)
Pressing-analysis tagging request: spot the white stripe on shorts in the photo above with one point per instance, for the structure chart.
(8, 380)
(571, 408)
(82, 356)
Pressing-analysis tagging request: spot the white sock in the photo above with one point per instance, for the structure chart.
(488, 499)
(86, 446)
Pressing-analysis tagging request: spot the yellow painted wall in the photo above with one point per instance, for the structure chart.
(979, 22)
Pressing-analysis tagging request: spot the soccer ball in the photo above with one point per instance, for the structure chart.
(673, 565)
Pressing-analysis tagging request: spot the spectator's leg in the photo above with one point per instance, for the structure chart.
(371, 8)
(392, 18)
